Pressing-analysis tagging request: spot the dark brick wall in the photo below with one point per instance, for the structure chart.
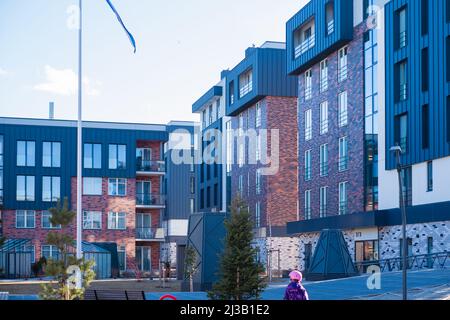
(279, 192)
(354, 85)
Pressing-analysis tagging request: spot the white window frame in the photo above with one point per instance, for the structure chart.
(343, 154)
(323, 161)
(308, 124)
(90, 184)
(26, 213)
(113, 187)
(258, 181)
(308, 165)
(343, 109)
(323, 205)
(258, 115)
(113, 162)
(258, 214)
(48, 214)
(323, 84)
(30, 188)
(114, 218)
(89, 217)
(343, 64)
(29, 156)
(308, 85)
(53, 250)
(343, 197)
(324, 117)
(308, 213)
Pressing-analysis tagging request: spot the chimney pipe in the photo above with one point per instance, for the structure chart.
(51, 110)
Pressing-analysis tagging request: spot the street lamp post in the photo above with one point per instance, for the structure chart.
(398, 150)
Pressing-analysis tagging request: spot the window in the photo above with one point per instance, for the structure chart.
(25, 153)
(25, 219)
(308, 165)
(367, 8)
(51, 154)
(308, 84)
(241, 155)
(308, 205)
(245, 83)
(216, 195)
(241, 124)
(92, 156)
(231, 92)
(402, 85)
(258, 181)
(323, 201)
(258, 214)
(430, 176)
(342, 64)
(308, 124)
(425, 127)
(425, 72)
(406, 174)
(447, 10)
(211, 114)
(92, 186)
(92, 220)
(401, 25)
(117, 221)
(204, 119)
(192, 205)
(122, 256)
(117, 156)
(342, 198)
(324, 117)
(324, 160)
(45, 221)
(50, 252)
(329, 13)
(117, 187)
(323, 75)
(342, 109)
(343, 154)
(401, 131)
(202, 198)
(51, 187)
(192, 184)
(258, 147)
(258, 115)
(241, 184)
(25, 188)
(424, 19)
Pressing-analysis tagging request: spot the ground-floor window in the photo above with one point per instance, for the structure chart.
(366, 250)
(122, 256)
(144, 258)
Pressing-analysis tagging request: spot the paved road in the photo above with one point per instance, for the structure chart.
(352, 288)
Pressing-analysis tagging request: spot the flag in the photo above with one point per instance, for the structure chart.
(130, 36)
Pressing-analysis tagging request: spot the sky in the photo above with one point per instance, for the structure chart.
(182, 46)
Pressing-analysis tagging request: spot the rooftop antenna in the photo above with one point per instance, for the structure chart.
(51, 110)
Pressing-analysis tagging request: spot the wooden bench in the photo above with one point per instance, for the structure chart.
(114, 295)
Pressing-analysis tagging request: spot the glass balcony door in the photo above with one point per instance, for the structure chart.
(143, 158)
(143, 258)
(143, 192)
(144, 226)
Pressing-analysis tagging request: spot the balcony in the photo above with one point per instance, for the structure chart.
(402, 39)
(308, 174)
(343, 208)
(149, 234)
(343, 163)
(323, 211)
(330, 27)
(148, 168)
(307, 44)
(246, 89)
(324, 83)
(150, 201)
(403, 92)
(324, 169)
(308, 213)
(343, 118)
(342, 73)
(308, 92)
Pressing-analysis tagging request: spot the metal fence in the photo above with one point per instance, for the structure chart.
(425, 261)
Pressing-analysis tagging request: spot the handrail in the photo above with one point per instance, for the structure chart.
(305, 45)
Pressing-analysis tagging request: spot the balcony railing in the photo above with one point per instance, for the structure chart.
(324, 169)
(144, 233)
(308, 92)
(342, 73)
(323, 211)
(305, 46)
(324, 126)
(150, 200)
(324, 83)
(343, 118)
(343, 208)
(308, 133)
(402, 39)
(150, 166)
(308, 213)
(245, 89)
(330, 27)
(343, 163)
(403, 94)
(308, 174)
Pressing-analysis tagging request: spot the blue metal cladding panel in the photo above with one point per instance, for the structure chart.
(438, 87)
(324, 44)
(203, 186)
(177, 182)
(67, 137)
(269, 78)
(212, 93)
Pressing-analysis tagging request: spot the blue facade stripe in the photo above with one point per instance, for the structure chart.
(212, 93)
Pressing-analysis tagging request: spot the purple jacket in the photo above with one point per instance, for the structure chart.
(295, 291)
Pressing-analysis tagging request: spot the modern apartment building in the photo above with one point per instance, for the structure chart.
(124, 185)
(261, 99)
(370, 77)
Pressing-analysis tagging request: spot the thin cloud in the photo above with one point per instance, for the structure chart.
(3, 72)
(65, 82)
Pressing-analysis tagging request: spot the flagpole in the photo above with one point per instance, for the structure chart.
(79, 137)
